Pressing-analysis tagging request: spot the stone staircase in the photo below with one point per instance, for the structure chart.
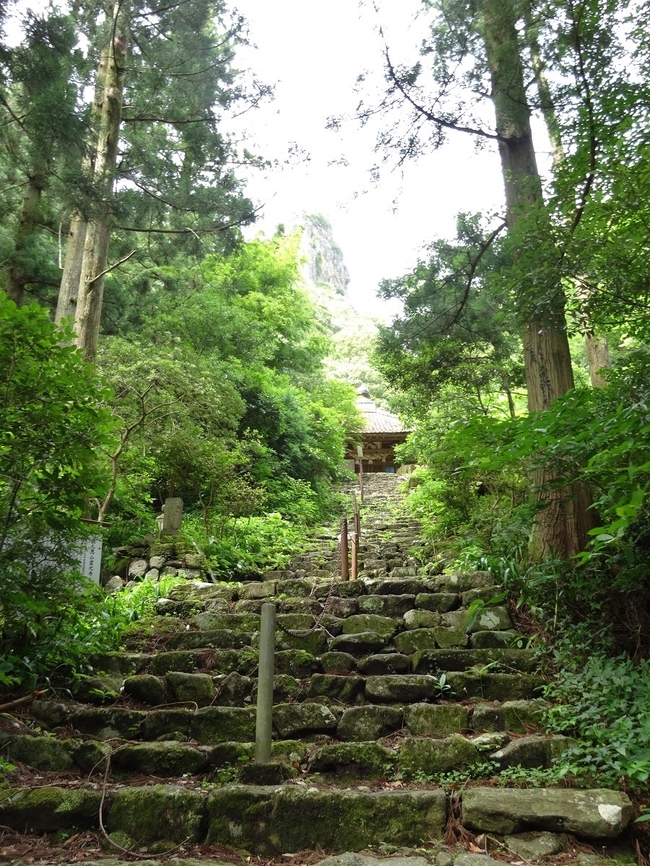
(389, 699)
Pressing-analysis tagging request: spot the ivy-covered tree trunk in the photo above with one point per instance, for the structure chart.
(19, 272)
(562, 520)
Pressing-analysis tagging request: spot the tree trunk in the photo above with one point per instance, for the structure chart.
(561, 524)
(82, 285)
(597, 347)
(19, 274)
(66, 307)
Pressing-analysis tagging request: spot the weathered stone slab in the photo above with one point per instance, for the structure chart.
(494, 687)
(369, 622)
(436, 720)
(405, 688)
(165, 722)
(338, 688)
(431, 661)
(385, 663)
(490, 639)
(194, 688)
(421, 619)
(449, 637)
(396, 586)
(217, 638)
(340, 589)
(463, 582)
(431, 757)
(315, 642)
(220, 724)
(181, 660)
(440, 602)
(146, 688)
(364, 760)
(232, 689)
(418, 639)
(531, 751)
(335, 662)
(263, 819)
(515, 716)
(242, 622)
(358, 644)
(297, 720)
(258, 590)
(534, 846)
(350, 858)
(42, 753)
(342, 607)
(300, 605)
(386, 605)
(149, 815)
(294, 588)
(48, 809)
(161, 759)
(594, 814)
(106, 724)
(363, 724)
(495, 618)
(296, 663)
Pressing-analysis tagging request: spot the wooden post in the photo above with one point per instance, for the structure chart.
(360, 456)
(355, 539)
(345, 571)
(264, 716)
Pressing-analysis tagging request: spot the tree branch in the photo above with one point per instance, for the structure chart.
(112, 267)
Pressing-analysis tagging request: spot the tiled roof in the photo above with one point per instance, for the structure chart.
(378, 420)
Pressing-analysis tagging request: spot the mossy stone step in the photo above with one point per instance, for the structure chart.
(263, 820)
(432, 661)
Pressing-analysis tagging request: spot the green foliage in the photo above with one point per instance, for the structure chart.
(605, 703)
(244, 547)
(51, 429)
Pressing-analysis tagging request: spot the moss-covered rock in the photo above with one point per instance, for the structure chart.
(232, 689)
(462, 582)
(362, 724)
(300, 605)
(50, 713)
(339, 688)
(337, 662)
(385, 663)
(217, 638)
(221, 724)
(193, 688)
(449, 637)
(515, 716)
(120, 663)
(244, 623)
(405, 688)
(263, 819)
(440, 602)
(297, 720)
(296, 663)
(436, 720)
(458, 659)
(108, 723)
(361, 760)
(42, 753)
(167, 721)
(270, 773)
(340, 589)
(285, 689)
(315, 642)
(396, 585)
(342, 607)
(200, 592)
(49, 809)
(98, 689)
(410, 642)
(386, 605)
(431, 757)
(494, 687)
(262, 589)
(297, 621)
(161, 759)
(490, 639)
(146, 688)
(421, 619)
(163, 813)
(91, 756)
(185, 661)
(358, 644)
(294, 588)
(365, 622)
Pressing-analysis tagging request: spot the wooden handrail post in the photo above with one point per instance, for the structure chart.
(345, 570)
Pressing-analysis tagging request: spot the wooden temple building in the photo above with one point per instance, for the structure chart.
(381, 433)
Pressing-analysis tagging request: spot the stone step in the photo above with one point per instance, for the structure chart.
(262, 819)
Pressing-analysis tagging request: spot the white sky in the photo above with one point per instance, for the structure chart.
(313, 51)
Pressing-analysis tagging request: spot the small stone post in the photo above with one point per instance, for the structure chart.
(264, 719)
(172, 515)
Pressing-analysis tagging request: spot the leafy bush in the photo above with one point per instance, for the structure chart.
(605, 702)
(247, 546)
